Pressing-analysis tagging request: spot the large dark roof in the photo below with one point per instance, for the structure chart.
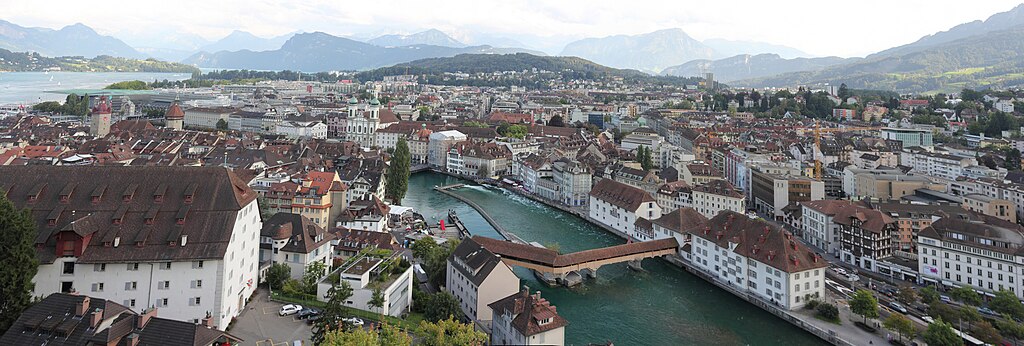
(620, 195)
(480, 260)
(146, 210)
(300, 231)
(761, 241)
(1006, 236)
(55, 321)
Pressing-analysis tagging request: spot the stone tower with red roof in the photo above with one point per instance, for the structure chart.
(100, 118)
(174, 118)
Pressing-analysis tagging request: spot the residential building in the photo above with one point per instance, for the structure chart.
(943, 166)
(526, 319)
(890, 186)
(990, 206)
(984, 255)
(865, 236)
(206, 118)
(74, 320)
(367, 274)
(674, 195)
(366, 214)
(439, 146)
(817, 226)
(715, 196)
(573, 180)
(760, 259)
(620, 206)
(294, 240)
(182, 239)
(477, 278)
(773, 192)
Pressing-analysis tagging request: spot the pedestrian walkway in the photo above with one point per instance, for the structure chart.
(847, 331)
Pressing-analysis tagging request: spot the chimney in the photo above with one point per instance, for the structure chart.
(97, 317)
(144, 317)
(82, 307)
(208, 320)
(132, 339)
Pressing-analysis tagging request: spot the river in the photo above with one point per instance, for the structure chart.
(663, 305)
(34, 87)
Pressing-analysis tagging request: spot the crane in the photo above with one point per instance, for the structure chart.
(817, 141)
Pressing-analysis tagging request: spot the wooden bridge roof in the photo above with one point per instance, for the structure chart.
(551, 258)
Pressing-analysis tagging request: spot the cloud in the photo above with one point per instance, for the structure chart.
(821, 28)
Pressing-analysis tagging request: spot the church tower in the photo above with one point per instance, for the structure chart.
(100, 118)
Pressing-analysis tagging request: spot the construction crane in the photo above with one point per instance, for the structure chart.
(817, 141)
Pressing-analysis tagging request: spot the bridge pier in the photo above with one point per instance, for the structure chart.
(588, 273)
(635, 264)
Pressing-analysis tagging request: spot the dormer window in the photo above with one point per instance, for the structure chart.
(158, 195)
(129, 192)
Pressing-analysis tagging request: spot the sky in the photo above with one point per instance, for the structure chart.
(821, 28)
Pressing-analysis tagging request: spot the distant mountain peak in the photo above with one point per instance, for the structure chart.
(651, 51)
(432, 37)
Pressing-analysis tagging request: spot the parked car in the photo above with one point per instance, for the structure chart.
(307, 312)
(896, 306)
(840, 271)
(290, 309)
(987, 311)
(928, 319)
(355, 321)
(945, 299)
(312, 319)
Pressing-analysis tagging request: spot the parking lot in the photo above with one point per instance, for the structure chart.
(261, 325)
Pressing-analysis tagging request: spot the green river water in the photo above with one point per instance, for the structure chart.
(663, 305)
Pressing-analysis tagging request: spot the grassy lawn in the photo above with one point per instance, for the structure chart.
(411, 323)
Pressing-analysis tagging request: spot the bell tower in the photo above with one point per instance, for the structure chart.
(100, 118)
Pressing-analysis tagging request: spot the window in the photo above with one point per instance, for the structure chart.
(131, 286)
(197, 265)
(69, 268)
(195, 301)
(197, 284)
(163, 285)
(97, 287)
(100, 267)
(133, 266)
(165, 265)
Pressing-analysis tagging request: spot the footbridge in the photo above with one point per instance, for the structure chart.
(584, 262)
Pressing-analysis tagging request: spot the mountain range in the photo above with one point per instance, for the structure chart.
(651, 52)
(431, 37)
(746, 66)
(71, 40)
(323, 52)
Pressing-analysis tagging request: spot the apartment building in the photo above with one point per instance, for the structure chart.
(526, 319)
(773, 192)
(991, 206)
(621, 206)
(758, 258)
(182, 239)
(674, 195)
(477, 278)
(574, 180)
(816, 222)
(295, 241)
(715, 196)
(982, 254)
(865, 236)
(943, 166)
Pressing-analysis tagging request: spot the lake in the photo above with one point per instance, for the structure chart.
(35, 87)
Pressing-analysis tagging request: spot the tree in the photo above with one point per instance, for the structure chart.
(941, 334)
(441, 305)
(18, 262)
(843, 92)
(277, 274)
(424, 248)
(333, 312)
(646, 158)
(828, 311)
(314, 272)
(398, 172)
(222, 125)
(1007, 303)
(377, 301)
(450, 332)
(907, 295)
(929, 295)
(388, 335)
(966, 295)
(899, 324)
(970, 315)
(864, 304)
(1012, 159)
(986, 332)
(515, 131)
(1010, 329)
(943, 311)
(557, 120)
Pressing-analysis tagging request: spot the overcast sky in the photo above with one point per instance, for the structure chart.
(847, 28)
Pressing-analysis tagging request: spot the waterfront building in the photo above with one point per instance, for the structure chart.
(526, 319)
(620, 207)
(364, 176)
(440, 143)
(73, 320)
(479, 160)
(984, 254)
(477, 277)
(909, 137)
(367, 214)
(757, 258)
(367, 274)
(573, 180)
(680, 224)
(865, 236)
(182, 239)
(715, 196)
(295, 241)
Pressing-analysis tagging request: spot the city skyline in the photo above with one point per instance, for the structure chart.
(535, 24)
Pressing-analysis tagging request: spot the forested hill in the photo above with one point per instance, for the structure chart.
(25, 62)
